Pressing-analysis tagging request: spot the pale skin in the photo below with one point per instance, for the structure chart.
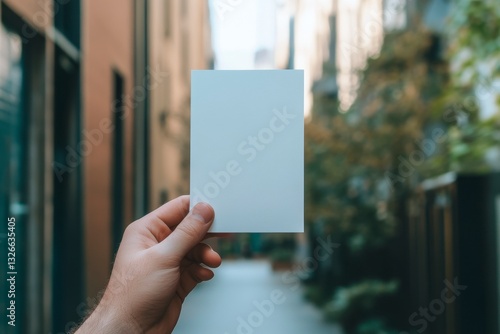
(160, 261)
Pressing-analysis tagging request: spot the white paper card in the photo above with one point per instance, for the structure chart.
(247, 148)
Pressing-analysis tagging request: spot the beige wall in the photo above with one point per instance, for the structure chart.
(311, 39)
(107, 44)
(186, 47)
(359, 36)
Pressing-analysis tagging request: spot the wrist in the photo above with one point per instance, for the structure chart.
(106, 319)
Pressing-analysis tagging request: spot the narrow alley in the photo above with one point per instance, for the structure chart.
(247, 297)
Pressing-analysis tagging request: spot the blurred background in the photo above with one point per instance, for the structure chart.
(402, 150)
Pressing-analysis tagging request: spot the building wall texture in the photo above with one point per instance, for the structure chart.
(179, 42)
(107, 47)
(69, 235)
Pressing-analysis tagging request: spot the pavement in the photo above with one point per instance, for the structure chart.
(247, 297)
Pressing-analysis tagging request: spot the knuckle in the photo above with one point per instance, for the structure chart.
(129, 229)
(189, 230)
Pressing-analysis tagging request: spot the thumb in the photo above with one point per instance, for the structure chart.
(190, 231)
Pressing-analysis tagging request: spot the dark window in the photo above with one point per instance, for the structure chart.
(163, 197)
(68, 160)
(67, 19)
(118, 160)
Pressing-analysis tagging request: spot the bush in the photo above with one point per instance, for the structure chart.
(315, 295)
(352, 306)
(374, 326)
(282, 255)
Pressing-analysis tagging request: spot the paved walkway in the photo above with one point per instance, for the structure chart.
(246, 297)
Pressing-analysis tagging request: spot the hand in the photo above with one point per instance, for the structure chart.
(156, 267)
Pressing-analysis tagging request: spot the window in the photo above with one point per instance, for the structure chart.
(118, 161)
(67, 271)
(67, 19)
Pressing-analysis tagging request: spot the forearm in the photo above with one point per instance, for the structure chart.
(104, 320)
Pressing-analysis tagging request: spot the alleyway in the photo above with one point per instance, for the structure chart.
(246, 297)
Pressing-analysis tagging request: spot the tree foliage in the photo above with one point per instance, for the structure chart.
(348, 155)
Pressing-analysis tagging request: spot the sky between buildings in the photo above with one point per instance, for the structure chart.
(244, 30)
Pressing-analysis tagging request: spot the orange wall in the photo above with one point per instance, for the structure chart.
(107, 44)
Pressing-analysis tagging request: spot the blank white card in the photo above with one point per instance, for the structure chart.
(247, 148)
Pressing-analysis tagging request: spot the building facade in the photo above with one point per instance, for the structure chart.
(306, 43)
(88, 90)
(74, 149)
(180, 41)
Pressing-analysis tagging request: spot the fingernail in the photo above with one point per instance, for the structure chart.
(204, 211)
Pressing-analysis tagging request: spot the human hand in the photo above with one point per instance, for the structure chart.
(156, 267)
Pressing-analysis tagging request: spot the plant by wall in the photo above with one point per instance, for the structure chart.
(349, 194)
